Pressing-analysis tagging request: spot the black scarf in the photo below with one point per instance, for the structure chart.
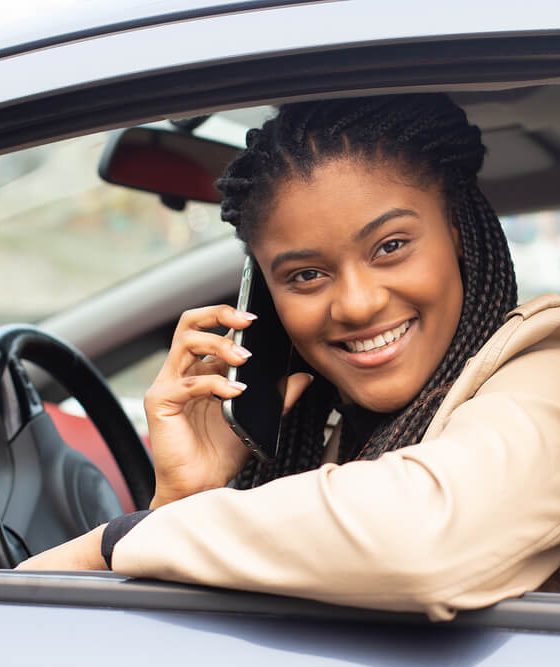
(359, 426)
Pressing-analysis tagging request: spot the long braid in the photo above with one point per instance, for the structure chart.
(430, 140)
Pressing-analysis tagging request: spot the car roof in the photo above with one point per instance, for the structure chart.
(23, 26)
(42, 67)
(341, 47)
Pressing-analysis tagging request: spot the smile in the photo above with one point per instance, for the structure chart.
(381, 340)
(379, 350)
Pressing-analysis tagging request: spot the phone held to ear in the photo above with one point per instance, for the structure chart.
(256, 415)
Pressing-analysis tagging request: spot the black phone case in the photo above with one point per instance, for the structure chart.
(256, 415)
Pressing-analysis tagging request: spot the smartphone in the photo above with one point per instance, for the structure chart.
(256, 415)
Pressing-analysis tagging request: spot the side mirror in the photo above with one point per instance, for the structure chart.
(176, 166)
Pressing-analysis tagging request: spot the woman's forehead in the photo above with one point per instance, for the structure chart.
(339, 197)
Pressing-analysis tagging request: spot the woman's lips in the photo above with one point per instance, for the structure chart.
(377, 356)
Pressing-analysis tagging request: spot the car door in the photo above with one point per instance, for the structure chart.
(109, 74)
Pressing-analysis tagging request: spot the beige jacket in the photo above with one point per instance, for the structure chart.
(467, 517)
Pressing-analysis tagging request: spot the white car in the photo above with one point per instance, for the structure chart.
(101, 271)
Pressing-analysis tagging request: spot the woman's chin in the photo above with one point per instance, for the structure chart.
(376, 403)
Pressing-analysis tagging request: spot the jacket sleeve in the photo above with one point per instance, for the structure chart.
(458, 522)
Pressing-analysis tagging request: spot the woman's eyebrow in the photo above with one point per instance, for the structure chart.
(381, 219)
(293, 254)
(359, 236)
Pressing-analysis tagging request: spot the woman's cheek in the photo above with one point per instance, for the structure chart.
(303, 322)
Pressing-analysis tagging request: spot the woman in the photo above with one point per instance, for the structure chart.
(440, 486)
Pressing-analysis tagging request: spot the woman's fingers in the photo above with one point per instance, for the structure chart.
(296, 385)
(196, 344)
(190, 340)
(194, 386)
(210, 317)
(168, 399)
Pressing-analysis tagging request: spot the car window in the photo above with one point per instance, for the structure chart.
(534, 241)
(65, 234)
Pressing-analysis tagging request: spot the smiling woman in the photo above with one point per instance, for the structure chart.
(438, 489)
(346, 297)
(350, 167)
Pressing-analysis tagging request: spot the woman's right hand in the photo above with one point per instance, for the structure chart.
(193, 447)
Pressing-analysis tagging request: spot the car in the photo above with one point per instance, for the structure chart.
(96, 269)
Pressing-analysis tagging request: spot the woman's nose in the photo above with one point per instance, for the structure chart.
(357, 299)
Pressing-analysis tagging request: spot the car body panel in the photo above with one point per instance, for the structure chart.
(23, 30)
(287, 30)
(147, 638)
(142, 621)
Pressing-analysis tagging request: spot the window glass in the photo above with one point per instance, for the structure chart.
(534, 240)
(65, 234)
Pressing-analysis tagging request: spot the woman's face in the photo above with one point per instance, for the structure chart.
(364, 273)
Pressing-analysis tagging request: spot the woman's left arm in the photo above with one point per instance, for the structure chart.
(461, 521)
(458, 522)
(81, 553)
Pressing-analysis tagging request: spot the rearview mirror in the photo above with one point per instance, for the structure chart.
(170, 163)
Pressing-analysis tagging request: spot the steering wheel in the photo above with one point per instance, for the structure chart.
(49, 492)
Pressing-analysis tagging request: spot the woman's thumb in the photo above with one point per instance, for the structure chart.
(296, 385)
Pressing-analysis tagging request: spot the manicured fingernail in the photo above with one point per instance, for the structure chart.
(237, 385)
(242, 352)
(246, 315)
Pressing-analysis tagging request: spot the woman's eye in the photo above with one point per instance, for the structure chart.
(390, 247)
(306, 276)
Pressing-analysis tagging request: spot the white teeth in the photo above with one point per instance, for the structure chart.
(380, 340)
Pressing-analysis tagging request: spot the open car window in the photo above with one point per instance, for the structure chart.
(66, 235)
(534, 241)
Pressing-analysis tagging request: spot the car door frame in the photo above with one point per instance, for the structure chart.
(108, 98)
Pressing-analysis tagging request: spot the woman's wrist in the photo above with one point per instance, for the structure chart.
(116, 529)
(81, 553)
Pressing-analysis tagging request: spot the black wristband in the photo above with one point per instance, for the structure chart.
(116, 529)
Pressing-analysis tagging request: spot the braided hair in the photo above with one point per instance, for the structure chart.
(430, 140)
